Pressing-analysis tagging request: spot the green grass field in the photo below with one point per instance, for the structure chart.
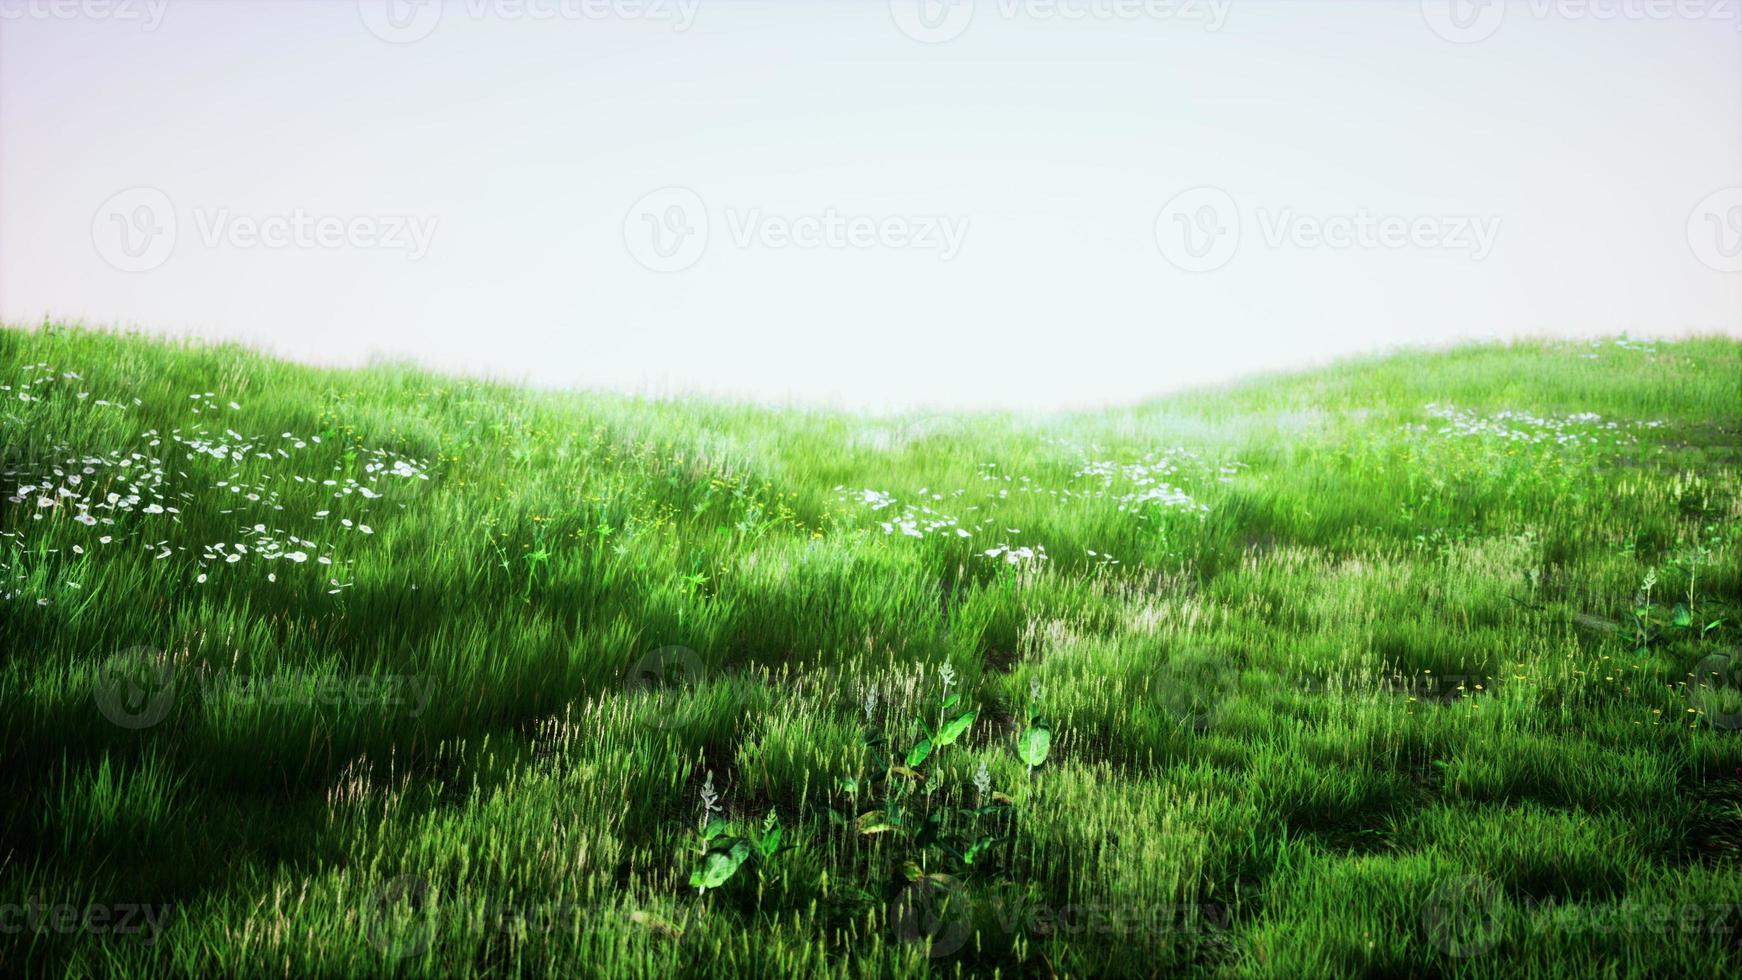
(1419, 665)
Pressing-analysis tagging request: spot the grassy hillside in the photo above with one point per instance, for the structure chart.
(1418, 665)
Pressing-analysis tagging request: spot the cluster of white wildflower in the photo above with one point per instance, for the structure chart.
(1579, 428)
(41, 379)
(1590, 350)
(1017, 554)
(1154, 480)
(912, 520)
(119, 493)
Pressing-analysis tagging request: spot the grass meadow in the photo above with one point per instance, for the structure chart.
(1420, 665)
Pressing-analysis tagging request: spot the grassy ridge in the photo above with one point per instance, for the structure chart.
(1383, 668)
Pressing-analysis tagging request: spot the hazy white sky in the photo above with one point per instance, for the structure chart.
(1025, 203)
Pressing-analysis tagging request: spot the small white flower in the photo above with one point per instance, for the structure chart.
(710, 799)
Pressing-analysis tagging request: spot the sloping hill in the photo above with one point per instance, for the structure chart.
(1409, 665)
